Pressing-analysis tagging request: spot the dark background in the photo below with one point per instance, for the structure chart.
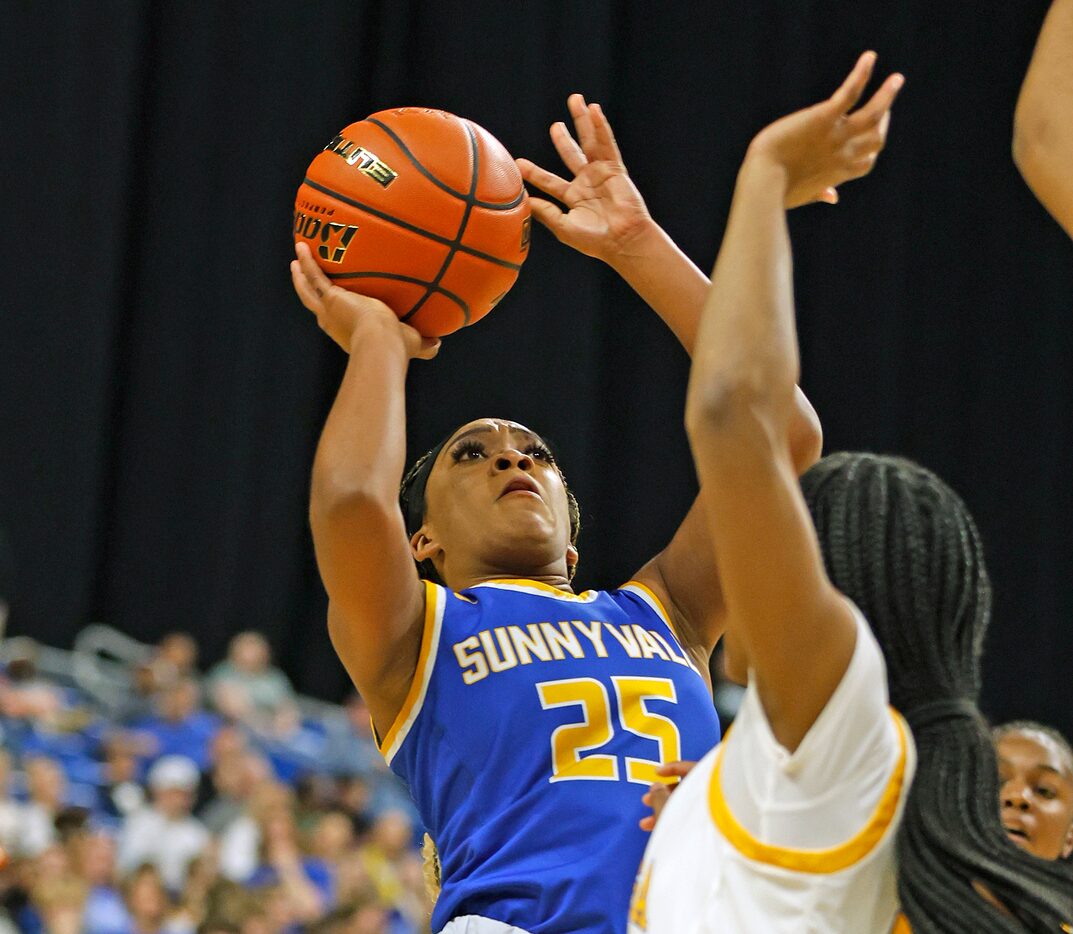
(161, 389)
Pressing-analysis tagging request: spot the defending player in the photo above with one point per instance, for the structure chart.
(527, 720)
(1043, 121)
(792, 824)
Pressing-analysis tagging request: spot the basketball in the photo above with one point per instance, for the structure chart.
(421, 209)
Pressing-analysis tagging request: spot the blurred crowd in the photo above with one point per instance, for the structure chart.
(199, 803)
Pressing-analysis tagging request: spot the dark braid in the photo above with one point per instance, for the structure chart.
(902, 545)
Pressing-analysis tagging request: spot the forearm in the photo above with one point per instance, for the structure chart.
(676, 289)
(362, 448)
(668, 281)
(1043, 121)
(747, 344)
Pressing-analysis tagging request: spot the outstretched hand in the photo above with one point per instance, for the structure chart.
(339, 311)
(822, 146)
(605, 210)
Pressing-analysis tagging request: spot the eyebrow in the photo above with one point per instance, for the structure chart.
(1039, 766)
(485, 429)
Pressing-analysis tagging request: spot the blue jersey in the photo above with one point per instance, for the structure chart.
(536, 721)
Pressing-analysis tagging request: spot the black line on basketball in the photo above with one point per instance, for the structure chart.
(471, 197)
(475, 153)
(446, 293)
(406, 225)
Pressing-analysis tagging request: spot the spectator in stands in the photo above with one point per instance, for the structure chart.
(10, 811)
(147, 900)
(305, 882)
(59, 904)
(165, 834)
(179, 650)
(180, 727)
(393, 864)
(93, 856)
(118, 793)
(47, 786)
(351, 744)
(246, 687)
(294, 747)
(234, 778)
(140, 702)
(240, 842)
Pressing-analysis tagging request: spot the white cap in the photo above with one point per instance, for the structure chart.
(174, 772)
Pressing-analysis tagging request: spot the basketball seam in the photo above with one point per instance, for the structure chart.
(471, 198)
(458, 300)
(406, 225)
(458, 237)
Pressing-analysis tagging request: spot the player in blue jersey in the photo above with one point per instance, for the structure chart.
(527, 719)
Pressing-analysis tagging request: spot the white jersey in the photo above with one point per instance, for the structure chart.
(758, 840)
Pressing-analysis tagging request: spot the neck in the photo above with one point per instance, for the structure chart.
(554, 577)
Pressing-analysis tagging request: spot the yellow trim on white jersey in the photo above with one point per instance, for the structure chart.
(833, 859)
(426, 661)
(539, 589)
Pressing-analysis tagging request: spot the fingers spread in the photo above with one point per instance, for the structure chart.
(567, 148)
(878, 108)
(606, 148)
(546, 181)
(586, 136)
(846, 97)
(550, 215)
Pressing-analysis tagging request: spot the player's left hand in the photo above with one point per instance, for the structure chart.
(659, 793)
(820, 147)
(605, 211)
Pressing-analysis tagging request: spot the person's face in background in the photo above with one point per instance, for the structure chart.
(1036, 793)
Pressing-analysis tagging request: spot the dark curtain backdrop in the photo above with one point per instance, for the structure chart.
(162, 389)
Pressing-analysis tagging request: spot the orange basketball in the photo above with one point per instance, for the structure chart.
(421, 209)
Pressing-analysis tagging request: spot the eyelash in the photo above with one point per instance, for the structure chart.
(535, 449)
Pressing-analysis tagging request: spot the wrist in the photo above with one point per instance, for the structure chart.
(645, 242)
(380, 328)
(762, 169)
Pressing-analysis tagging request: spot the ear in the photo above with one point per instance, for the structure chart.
(572, 557)
(1067, 846)
(423, 546)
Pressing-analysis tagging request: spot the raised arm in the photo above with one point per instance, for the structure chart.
(795, 630)
(607, 219)
(376, 599)
(1043, 121)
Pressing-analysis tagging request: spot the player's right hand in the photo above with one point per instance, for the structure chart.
(820, 147)
(605, 211)
(659, 793)
(339, 311)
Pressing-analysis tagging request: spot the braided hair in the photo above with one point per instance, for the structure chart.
(413, 504)
(902, 545)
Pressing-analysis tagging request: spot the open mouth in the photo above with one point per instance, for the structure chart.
(1016, 833)
(520, 485)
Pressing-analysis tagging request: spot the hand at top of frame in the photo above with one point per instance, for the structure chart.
(605, 211)
(340, 312)
(820, 147)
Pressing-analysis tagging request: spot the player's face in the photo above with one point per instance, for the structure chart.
(1036, 794)
(495, 498)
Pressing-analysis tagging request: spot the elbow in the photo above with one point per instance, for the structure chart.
(721, 405)
(1031, 130)
(334, 499)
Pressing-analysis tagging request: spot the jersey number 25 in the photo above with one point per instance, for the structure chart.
(570, 740)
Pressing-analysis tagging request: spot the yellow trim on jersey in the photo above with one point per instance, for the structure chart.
(426, 660)
(901, 926)
(540, 589)
(833, 859)
(647, 594)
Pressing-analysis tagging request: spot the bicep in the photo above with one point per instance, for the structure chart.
(376, 599)
(685, 577)
(797, 632)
